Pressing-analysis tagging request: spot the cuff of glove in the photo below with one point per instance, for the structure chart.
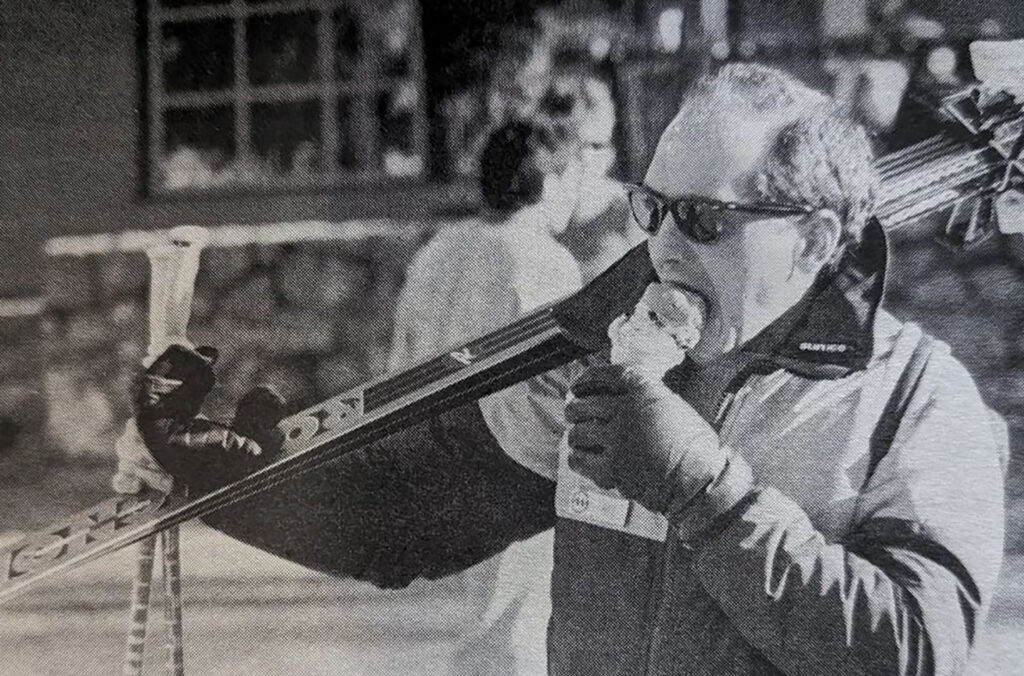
(718, 505)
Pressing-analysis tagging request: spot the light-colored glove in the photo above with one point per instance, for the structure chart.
(631, 432)
(136, 467)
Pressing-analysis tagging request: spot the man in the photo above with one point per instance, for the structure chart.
(817, 490)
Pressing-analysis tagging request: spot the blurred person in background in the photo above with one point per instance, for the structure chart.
(600, 231)
(538, 75)
(538, 173)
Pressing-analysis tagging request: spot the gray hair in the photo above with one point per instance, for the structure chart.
(819, 156)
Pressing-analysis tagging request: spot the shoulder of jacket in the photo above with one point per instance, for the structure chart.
(895, 345)
(945, 383)
(462, 246)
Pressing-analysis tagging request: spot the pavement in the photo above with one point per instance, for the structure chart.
(247, 613)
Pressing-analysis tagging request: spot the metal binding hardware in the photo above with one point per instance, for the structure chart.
(992, 119)
(1014, 166)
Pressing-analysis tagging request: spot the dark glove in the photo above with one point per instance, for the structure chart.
(204, 454)
(176, 383)
(256, 417)
(633, 433)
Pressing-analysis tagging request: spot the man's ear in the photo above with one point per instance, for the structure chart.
(821, 233)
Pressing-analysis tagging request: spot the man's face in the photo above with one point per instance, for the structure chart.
(585, 191)
(580, 189)
(746, 275)
(597, 192)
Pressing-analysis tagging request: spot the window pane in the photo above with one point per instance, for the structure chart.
(198, 55)
(348, 157)
(282, 48)
(782, 21)
(347, 42)
(396, 118)
(198, 147)
(287, 136)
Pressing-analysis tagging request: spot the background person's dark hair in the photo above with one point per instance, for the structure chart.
(518, 155)
(509, 177)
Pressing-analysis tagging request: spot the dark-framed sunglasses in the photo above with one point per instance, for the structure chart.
(700, 218)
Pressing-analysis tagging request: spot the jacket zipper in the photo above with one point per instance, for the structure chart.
(733, 389)
(725, 406)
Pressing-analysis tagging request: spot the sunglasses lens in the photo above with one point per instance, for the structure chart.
(695, 222)
(646, 211)
(702, 225)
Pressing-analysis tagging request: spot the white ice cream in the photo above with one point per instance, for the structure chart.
(656, 336)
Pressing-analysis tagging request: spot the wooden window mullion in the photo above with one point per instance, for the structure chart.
(329, 137)
(364, 104)
(242, 90)
(417, 73)
(155, 107)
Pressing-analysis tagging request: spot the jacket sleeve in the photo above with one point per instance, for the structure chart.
(906, 590)
(426, 502)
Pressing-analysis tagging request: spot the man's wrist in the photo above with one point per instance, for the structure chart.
(702, 516)
(704, 461)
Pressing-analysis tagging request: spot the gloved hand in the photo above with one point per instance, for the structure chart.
(136, 467)
(202, 453)
(633, 433)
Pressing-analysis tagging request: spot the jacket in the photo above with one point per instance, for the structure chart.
(472, 278)
(837, 559)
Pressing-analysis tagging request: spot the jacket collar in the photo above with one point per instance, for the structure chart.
(829, 333)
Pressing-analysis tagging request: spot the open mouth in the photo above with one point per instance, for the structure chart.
(682, 301)
(673, 311)
(664, 326)
(682, 278)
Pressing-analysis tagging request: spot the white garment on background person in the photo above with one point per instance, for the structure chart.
(469, 280)
(474, 278)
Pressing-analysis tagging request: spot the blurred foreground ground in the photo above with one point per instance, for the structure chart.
(245, 613)
(250, 613)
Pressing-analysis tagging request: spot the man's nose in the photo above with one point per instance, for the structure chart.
(671, 248)
(670, 237)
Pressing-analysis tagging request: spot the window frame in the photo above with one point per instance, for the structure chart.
(368, 82)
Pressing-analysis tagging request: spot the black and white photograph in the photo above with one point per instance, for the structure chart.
(512, 338)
